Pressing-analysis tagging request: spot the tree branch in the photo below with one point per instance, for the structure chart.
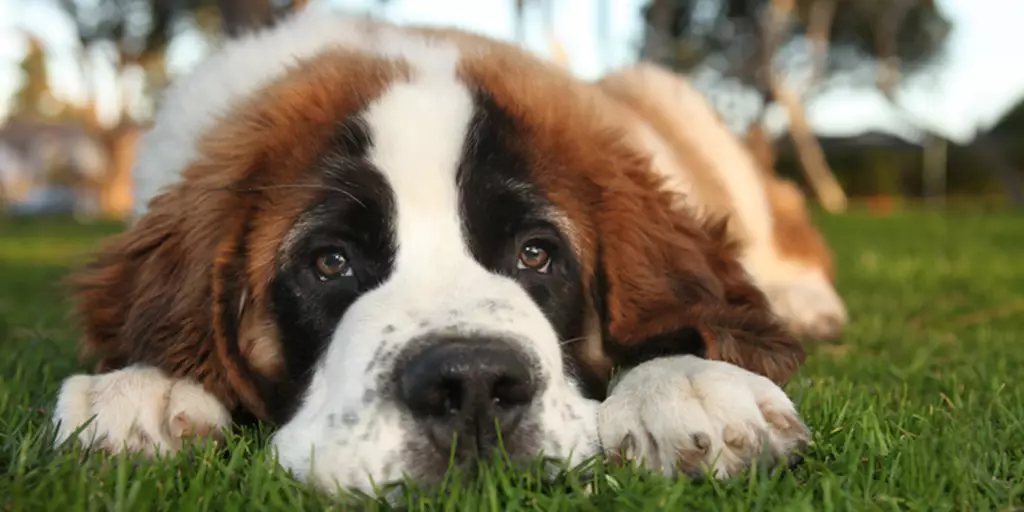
(819, 31)
(811, 156)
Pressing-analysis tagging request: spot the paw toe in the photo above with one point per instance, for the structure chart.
(182, 425)
(690, 462)
(194, 414)
(74, 409)
(795, 456)
(785, 423)
(702, 442)
(788, 435)
(741, 439)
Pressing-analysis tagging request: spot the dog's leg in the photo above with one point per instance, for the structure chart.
(809, 307)
(685, 414)
(800, 294)
(136, 409)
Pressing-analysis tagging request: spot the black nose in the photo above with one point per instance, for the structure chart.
(466, 391)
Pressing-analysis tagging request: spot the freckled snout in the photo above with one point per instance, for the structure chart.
(466, 391)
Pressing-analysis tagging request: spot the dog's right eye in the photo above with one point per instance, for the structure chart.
(332, 264)
(534, 256)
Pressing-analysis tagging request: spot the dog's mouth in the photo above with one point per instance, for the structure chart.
(474, 457)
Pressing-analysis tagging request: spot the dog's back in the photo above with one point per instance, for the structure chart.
(717, 174)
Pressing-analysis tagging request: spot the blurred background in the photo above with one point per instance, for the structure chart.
(866, 103)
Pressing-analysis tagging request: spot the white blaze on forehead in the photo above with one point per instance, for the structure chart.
(418, 129)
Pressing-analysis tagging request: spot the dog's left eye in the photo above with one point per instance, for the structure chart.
(332, 265)
(534, 256)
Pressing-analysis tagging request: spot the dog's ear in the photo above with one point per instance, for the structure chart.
(670, 283)
(170, 292)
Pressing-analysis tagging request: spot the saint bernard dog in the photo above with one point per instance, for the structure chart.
(405, 245)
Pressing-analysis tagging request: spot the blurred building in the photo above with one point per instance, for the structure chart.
(54, 167)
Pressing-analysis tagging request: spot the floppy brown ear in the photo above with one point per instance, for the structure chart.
(670, 283)
(168, 293)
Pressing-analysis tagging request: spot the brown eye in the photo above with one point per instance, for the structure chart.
(331, 265)
(534, 257)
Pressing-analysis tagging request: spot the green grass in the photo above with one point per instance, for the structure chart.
(919, 408)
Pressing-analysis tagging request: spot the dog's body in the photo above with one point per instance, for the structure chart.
(381, 238)
(716, 174)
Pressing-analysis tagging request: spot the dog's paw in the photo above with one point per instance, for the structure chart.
(687, 415)
(138, 410)
(809, 308)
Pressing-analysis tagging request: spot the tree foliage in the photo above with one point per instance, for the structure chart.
(135, 27)
(140, 28)
(730, 37)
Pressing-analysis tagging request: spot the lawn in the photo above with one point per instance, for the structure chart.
(918, 408)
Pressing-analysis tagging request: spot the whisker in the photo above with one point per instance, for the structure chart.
(312, 186)
(569, 341)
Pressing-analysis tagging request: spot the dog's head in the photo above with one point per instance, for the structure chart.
(384, 239)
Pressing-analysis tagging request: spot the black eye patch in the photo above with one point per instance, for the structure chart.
(348, 228)
(504, 213)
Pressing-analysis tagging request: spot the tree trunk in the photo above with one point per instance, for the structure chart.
(808, 149)
(241, 16)
(116, 189)
(89, 112)
(989, 152)
(658, 39)
(934, 165)
(812, 158)
(819, 31)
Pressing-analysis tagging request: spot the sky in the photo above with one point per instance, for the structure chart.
(978, 83)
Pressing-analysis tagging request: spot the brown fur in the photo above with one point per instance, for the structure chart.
(639, 107)
(166, 291)
(638, 90)
(663, 270)
(793, 231)
(169, 291)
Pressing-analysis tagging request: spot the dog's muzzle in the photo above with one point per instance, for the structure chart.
(466, 392)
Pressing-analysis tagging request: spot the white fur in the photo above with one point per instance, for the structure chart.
(418, 131)
(800, 294)
(689, 414)
(136, 409)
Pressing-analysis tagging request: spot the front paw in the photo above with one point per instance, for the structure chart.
(687, 415)
(136, 410)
